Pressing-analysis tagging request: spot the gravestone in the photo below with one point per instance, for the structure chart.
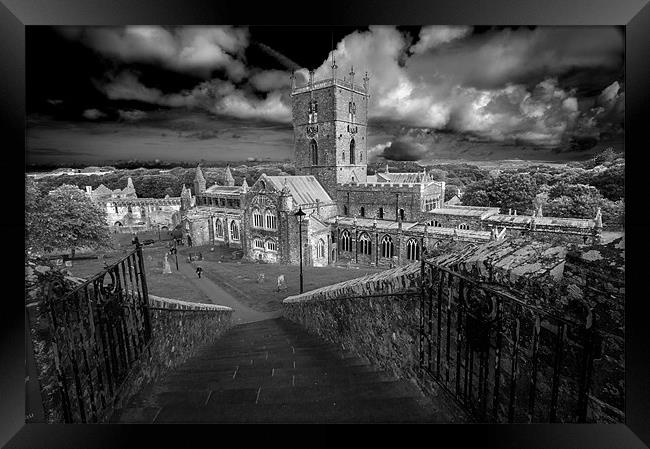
(68, 263)
(167, 269)
(282, 284)
(260, 278)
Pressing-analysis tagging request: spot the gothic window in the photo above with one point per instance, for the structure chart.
(412, 250)
(116, 211)
(128, 208)
(314, 152)
(320, 248)
(258, 243)
(313, 111)
(381, 212)
(262, 185)
(271, 245)
(365, 244)
(234, 230)
(218, 228)
(352, 112)
(387, 246)
(435, 223)
(345, 210)
(271, 220)
(345, 241)
(362, 211)
(257, 219)
(352, 158)
(401, 214)
(463, 226)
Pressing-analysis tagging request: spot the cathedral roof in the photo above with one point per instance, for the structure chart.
(304, 189)
(400, 178)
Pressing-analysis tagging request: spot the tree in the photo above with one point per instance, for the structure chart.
(66, 220)
(476, 194)
(512, 190)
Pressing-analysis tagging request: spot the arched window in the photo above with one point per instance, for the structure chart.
(258, 243)
(345, 210)
(271, 220)
(234, 230)
(117, 223)
(387, 246)
(463, 226)
(362, 211)
(401, 214)
(352, 158)
(258, 222)
(271, 245)
(313, 111)
(263, 185)
(412, 249)
(381, 212)
(435, 223)
(314, 152)
(218, 228)
(352, 112)
(345, 240)
(320, 248)
(365, 244)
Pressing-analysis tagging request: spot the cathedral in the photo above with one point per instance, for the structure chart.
(385, 219)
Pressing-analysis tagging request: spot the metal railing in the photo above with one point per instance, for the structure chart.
(99, 330)
(501, 358)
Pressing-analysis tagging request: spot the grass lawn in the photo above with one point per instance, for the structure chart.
(240, 277)
(172, 285)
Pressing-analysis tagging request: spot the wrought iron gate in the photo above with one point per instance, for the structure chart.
(99, 330)
(504, 360)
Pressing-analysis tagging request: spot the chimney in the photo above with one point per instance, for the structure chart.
(89, 190)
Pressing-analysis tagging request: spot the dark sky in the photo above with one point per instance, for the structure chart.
(222, 93)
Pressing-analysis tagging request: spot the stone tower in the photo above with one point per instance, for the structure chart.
(330, 119)
(199, 181)
(186, 199)
(228, 179)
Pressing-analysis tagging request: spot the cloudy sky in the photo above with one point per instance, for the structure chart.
(222, 93)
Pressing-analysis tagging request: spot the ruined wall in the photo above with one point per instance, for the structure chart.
(378, 317)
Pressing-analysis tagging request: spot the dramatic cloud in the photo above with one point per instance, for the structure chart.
(93, 114)
(403, 150)
(433, 36)
(194, 49)
(501, 85)
(215, 96)
(132, 115)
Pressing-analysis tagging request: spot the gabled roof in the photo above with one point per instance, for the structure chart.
(303, 189)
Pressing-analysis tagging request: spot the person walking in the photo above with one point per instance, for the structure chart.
(199, 270)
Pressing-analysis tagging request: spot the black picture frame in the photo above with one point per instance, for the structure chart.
(633, 14)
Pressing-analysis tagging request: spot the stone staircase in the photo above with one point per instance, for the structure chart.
(273, 371)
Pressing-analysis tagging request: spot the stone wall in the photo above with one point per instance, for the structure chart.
(378, 315)
(178, 329)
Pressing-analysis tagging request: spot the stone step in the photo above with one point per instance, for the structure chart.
(274, 371)
(345, 411)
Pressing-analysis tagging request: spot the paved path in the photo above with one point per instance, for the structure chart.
(241, 312)
(275, 371)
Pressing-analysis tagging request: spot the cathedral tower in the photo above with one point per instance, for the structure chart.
(199, 181)
(329, 123)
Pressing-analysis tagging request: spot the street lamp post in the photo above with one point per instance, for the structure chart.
(300, 214)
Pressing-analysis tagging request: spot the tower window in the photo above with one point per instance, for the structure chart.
(381, 212)
(314, 152)
(313, 111)
(352, 158)
(362, 211)
(352, 112)
(345, 210)
(401, 214)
